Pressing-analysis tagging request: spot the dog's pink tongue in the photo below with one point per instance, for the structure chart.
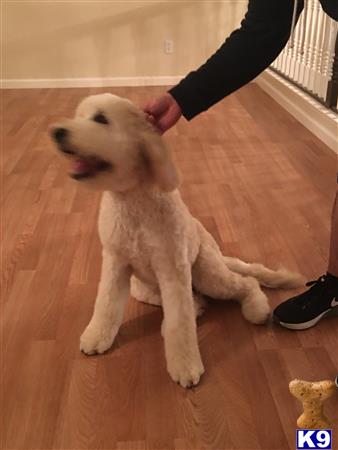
(81, 166)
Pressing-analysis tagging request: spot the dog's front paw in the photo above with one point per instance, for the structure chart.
(95, 339)
(186, 372)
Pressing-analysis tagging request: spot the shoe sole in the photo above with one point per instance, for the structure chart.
(308, 324)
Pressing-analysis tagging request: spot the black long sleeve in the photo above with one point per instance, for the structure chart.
(249, 50)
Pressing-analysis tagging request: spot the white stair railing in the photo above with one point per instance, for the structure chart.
(310, 59)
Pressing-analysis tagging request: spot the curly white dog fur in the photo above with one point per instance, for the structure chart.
(152, 246)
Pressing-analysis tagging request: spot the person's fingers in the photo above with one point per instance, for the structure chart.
(168, 120)
(163, 112)
(147, 108)
(150, 118)
(157, 106)
(164, 123)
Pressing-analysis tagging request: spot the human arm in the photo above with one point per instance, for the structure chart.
(249, 50)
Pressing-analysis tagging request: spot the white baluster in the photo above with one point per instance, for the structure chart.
(329, 54)
(282, 61)
(302, 47)
(297, 57)
(309, 44)
(315, 40)
(319, 45)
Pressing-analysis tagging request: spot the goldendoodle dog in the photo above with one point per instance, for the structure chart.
(152, 247)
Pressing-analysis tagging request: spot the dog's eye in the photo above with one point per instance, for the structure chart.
(100, 118)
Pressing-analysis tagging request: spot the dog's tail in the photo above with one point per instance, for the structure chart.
(281, 278)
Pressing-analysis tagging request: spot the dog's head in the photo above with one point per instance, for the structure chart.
(112, 146)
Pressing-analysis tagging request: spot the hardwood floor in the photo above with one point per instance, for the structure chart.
(261, 184)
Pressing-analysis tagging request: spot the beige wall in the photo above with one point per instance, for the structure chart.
(77, 39)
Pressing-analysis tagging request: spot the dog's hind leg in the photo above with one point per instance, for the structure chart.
(212, 277)
(200, 304)
(147, 293)
(281, 278)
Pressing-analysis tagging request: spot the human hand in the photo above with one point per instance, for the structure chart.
(163, 112)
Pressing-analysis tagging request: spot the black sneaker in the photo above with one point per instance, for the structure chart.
(305, 310)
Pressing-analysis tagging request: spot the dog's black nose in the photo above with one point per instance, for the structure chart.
(60, 134)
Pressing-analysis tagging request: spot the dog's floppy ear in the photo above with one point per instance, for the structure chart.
(157, 158)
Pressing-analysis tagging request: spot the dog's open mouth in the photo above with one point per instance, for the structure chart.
(87, 167)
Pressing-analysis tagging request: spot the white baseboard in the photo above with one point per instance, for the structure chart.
(89, 82)
(322, 122)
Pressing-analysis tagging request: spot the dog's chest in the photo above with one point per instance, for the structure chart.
(143, 233)
(134, 245)
(139, 256)
(131, 236)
